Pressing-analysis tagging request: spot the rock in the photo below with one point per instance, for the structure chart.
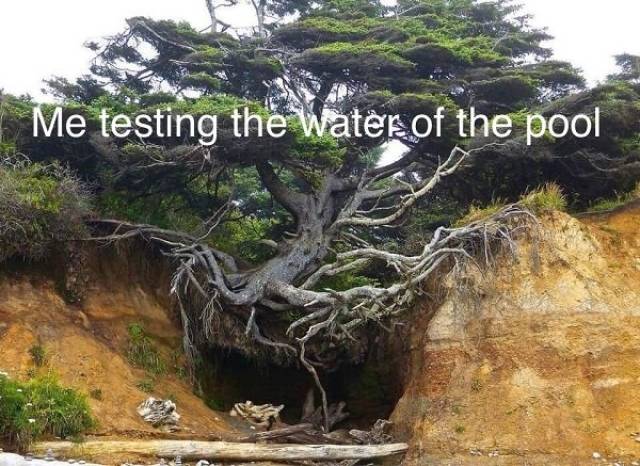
(596, 455)
(159, 413)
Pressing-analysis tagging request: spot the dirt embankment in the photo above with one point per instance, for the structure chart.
(86, 345)
(542, 365)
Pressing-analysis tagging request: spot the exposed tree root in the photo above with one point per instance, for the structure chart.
(215, 287)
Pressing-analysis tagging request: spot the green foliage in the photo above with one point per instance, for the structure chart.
(39, 205)
(242, 238)
(222, 105)
(362, 59)
(170, 211)
(346, 281)
(142, 352)
(323, 150)
(608, 204)
(546, 198)
(146, 385)
(41, 407)
(38, 355)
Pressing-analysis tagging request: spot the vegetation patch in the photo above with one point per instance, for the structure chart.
(544, 199)
(605, 205)
(39, 408)
(146, 385)
(39, 205)
(142, 352)
(477, 213)
(38, 355)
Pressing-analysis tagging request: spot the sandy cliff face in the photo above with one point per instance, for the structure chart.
(87, 345)
(543, 365)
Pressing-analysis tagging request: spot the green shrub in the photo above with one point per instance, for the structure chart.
(39, 205)
(142, 353)
(38, 355)
(146, 385)
(41, 407)
(546, 198)
(604, 205)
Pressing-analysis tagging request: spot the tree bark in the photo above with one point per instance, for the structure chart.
(197, 450)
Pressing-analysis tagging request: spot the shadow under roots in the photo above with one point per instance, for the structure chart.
(371, 390)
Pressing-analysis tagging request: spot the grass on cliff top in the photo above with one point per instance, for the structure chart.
(41, 407)
(604, 205)
(546, 198)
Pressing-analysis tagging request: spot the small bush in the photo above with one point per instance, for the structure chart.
(40, 407)
(544, 199)
(604, 205)
(142, 353)
(38, 355)
(96, 394)
(39, 205)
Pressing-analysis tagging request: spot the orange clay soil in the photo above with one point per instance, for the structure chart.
(86, 348)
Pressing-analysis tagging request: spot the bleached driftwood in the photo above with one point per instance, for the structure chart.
(376, 436)
(159, 413)
(196, 450)
(259, 415)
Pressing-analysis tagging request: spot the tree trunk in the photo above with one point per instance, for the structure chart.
(197, 450)
(212, 14)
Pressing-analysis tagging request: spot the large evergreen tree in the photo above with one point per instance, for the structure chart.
(285, 242)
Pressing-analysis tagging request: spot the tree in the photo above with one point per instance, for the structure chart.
(323, 206)
(629, 68)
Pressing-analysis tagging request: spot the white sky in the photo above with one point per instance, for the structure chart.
(41, 38)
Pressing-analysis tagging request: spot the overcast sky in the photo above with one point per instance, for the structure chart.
(41, 38)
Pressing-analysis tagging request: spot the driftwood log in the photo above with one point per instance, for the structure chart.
(258, 415)
(196, 450)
